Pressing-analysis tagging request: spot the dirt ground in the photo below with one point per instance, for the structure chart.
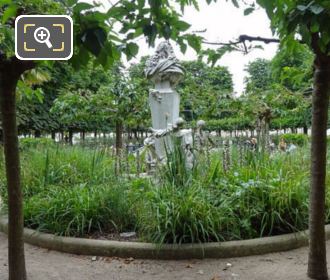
(43, 264)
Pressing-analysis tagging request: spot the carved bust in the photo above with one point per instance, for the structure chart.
(164, 66)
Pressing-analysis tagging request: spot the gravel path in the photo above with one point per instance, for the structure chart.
(43, 264)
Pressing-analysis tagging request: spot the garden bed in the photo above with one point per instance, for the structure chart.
(75, 192)
(139, 250)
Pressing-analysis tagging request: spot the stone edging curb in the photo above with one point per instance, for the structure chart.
(139, 250)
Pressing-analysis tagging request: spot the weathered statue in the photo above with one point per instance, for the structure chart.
(163, 66)
(165, 71)
(202, 138)
(183, 135)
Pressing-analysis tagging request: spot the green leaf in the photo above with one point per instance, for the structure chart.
(94, 39)
(248, 11)
(133, 50)
(183, 46)
(316, 9)
(235, 3)
(182, 25)
(315, 27)
(150, 31)
(80, 58)
(71, 2)
(82, 6)
(9, 13)
(116, 12)
(302, 8)
(194, 41)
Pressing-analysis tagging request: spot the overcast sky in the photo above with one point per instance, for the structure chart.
(224, 22)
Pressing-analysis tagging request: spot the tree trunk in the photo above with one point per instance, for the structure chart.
(317, 263)
(37, 134)
(119, 136)
(53, 133)
(1, 136)
(136, 135)
(70, 137)
(305, 130)
(16, 260)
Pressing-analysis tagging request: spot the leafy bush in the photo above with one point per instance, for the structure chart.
(28, 143)
(296, 139)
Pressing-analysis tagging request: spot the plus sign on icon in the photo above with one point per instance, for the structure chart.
(43, 37)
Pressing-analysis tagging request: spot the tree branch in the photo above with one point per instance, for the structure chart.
(22, 65)
(242, 39)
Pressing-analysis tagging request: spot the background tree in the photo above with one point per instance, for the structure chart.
(203, 90)
(259, 75)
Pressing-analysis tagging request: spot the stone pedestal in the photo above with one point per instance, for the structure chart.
(165, 107)
(165, 71)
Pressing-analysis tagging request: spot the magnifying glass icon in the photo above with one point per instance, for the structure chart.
(42, 35)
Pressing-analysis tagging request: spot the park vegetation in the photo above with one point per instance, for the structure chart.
(96, 93)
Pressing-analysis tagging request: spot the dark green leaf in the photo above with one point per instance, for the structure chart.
(248, 11)
(82, 7)
(94, 40)
(133, 49)
(235, 2)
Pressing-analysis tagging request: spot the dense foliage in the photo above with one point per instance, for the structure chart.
(74, 191)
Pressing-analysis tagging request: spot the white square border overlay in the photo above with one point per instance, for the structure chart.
(31, 59)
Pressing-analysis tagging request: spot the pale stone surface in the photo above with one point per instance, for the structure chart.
(164, 69)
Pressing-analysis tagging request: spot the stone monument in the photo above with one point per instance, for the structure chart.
(165, 71)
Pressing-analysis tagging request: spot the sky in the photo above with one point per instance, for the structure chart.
(223, 22)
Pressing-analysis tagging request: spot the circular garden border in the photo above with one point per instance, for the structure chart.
(140, 250)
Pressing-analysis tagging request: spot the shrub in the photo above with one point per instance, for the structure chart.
(296, 139)
(28, 143)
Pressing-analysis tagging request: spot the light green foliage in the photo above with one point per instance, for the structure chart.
(309, 19)
(292, 138)
(9, 9)
(259, 78)
(28, 143)
(141, 86)
(293, 69)
(95, 99)
(204, 90)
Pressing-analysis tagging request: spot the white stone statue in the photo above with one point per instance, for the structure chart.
(165, 71)
(202, 138)
(164, 67)
(184, 135)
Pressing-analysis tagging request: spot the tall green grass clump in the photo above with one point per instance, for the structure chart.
(268, 196)
(64, 166)
(81, 210)
(74, 191)
(185, 215)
